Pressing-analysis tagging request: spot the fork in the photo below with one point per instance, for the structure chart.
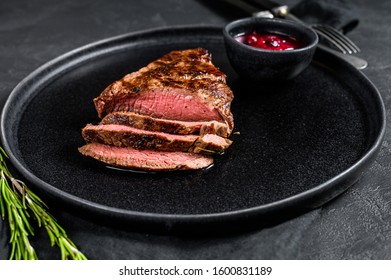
(337, 39)
(329, 33)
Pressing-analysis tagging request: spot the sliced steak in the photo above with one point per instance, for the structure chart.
(126, 136)
(172, 114)
(145, 159)
(211, 144)
(182, 85)
(168, 126)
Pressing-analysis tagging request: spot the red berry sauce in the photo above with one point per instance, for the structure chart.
(270, 41)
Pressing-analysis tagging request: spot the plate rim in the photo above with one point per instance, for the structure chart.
(91, 50)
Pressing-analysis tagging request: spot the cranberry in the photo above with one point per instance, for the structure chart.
(269, 41)
(251, 40)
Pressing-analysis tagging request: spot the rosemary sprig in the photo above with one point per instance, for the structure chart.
(19, 204)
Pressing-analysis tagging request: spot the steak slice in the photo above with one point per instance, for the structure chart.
(167, 126)
(131, 158)
(126, 136)
(183, 85)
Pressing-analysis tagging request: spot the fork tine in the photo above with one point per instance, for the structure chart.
(342, 37)
(332, 40)
(339, 40)
(335, 40)
(346, 39)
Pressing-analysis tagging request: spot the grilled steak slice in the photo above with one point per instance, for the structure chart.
(210, 144)
(145, 159)
(167, 126)
(182, 85)
(126, 136)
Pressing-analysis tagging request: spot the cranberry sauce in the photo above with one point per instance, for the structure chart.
(269, 41)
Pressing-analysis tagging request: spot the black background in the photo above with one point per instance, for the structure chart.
(356, 225)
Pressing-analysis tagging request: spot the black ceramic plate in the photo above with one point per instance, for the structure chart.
(296, 145)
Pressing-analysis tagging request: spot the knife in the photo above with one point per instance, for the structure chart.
(274, 9)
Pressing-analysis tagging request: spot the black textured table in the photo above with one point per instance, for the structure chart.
(355, 225)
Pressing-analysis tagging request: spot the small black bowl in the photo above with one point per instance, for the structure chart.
(262, 65)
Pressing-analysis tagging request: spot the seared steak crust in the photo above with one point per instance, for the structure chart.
(190, 71)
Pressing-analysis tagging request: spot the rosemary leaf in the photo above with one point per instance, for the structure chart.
(19, 204)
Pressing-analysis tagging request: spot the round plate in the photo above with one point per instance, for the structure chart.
(296, 145)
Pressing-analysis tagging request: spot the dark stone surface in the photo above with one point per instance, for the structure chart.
(356, 225)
